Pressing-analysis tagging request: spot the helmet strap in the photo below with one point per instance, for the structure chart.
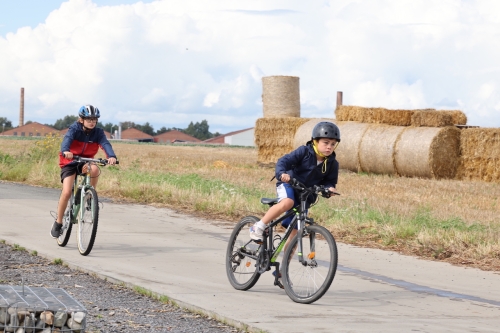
(315, 142)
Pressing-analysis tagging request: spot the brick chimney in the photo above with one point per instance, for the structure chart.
(21, 109)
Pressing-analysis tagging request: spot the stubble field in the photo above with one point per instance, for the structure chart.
(453, 221)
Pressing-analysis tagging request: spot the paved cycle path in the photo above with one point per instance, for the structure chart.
(183, 257)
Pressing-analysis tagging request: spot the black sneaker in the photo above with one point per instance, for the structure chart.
(56, 230)
(278, 281)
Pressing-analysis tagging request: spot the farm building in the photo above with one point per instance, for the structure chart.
(135, 134)
(31, 129)
(174, 136)
(243, 137)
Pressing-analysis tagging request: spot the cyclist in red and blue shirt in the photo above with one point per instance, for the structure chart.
(82, 139)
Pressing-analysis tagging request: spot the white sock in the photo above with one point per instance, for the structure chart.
(260, 225)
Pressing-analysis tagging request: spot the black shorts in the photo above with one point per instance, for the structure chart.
(71, 169)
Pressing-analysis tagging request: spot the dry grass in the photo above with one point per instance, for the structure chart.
(446, 220)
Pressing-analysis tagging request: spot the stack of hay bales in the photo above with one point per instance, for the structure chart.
(274, 134)
(274, 137)
(280, 96)
(413, 143)
(417, 118)
(428, 152)
(480, 154)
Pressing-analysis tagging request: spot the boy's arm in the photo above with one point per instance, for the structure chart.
(332, 177)
(66, 142)
(106, 145)
(286, 162)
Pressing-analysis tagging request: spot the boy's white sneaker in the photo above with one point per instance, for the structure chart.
(256, 233)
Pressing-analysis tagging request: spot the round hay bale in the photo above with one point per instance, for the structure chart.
(280, 96)
(303, 133)
(376, 151)
(428, 152)
(351, 134)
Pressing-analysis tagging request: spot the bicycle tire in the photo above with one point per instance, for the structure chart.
(308, 283)
(242, 270)
(87, 226)
(67, 225)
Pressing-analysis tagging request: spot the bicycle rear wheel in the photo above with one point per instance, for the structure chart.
(66, 223)
(87, 226)
(309, 281)
(241, 255)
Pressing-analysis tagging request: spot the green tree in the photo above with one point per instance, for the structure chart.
(65, 122)
(127, 125)
(146, 128)
(108, 127)
(199, 130)
(5, 124)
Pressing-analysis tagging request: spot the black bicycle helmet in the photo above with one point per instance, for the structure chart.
(326, 129)
(89, 111)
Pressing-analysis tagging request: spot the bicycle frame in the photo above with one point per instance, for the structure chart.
(80, 185)
(300, 219)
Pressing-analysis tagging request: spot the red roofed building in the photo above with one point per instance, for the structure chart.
(175, 136)
(135, 134)
(31, 129)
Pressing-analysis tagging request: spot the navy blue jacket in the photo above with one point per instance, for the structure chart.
(84, 145)
(302, 165)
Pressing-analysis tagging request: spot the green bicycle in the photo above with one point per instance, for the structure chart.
(82, 209)
(309, 261)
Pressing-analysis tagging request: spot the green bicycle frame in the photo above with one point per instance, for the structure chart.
(79, 190)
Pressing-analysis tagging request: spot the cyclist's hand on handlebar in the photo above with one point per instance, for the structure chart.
(285, 178)
(332, 191)
(68, 155)
(111, 161)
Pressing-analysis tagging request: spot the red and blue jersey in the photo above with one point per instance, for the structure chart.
(84, 144)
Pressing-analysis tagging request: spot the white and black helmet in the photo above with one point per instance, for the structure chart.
(89, 111)
(326, 129)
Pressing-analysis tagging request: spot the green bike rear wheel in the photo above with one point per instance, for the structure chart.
(87, 226)
(241, 266)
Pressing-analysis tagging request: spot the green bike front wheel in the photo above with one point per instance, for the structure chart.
(306, 282)
(87, 222)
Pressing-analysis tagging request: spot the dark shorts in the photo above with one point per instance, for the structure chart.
(70, 170)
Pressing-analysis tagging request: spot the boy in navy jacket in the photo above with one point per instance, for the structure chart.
(312, 164)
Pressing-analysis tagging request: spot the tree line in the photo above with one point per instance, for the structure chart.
(199, 130)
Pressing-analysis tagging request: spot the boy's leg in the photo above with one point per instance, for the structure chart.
(67, 179)
(94, 175)
(286, 197)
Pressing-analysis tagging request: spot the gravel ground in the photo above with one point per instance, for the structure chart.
(111, 307)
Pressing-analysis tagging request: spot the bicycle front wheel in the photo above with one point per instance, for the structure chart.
(241, 255)
(87, 222)
(306, 282)
(66, 223)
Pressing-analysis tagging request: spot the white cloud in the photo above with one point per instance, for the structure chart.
(172, 62)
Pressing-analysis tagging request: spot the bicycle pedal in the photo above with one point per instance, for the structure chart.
(257, 241)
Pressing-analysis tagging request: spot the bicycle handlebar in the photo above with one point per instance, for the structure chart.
(100, 161)
(315, 189)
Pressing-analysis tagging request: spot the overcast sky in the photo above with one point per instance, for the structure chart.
(169, 62)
